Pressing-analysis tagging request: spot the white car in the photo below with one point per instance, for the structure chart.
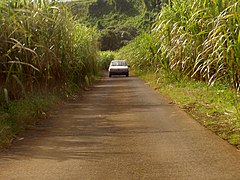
(118, 67)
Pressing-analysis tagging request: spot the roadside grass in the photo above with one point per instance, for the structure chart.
(42, 49)
(216, 107)
(19, 115)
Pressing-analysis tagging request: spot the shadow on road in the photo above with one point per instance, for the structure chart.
(85, 129)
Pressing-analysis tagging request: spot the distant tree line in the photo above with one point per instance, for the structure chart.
(122, 5)
(119, 21)
(116, 35)
(155, 4)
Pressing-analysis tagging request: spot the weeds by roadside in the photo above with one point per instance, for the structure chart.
(42, 49)
(19, 115)
(217, 107)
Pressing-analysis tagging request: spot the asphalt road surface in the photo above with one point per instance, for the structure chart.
(120, 129)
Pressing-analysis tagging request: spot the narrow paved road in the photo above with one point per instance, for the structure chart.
(121, 129)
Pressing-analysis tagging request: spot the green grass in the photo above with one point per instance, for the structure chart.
(217, 108)
(20, 115)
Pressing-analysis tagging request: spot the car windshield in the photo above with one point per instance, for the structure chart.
(119, 63)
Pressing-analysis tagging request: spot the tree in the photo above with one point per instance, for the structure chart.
(155, 4)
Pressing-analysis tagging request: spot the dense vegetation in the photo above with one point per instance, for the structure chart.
(195, 40)
(42, 46)
(118, 21)
(42, 49)
(47, 46)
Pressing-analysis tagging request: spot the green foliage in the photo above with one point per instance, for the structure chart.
(79, 8)
(200, 39)
(105, 58)
(197, 39)
(119, 21)
(194, 45)
(116, 29)
(115, 37)
(215, 107)
(155, 4)
(42, 47)
(129, 7)
(21, 114)
(141, 52)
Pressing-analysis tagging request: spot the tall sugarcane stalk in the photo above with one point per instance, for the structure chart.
(42, 46)
(194, 38)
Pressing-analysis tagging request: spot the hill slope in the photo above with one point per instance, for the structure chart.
(119, 21)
